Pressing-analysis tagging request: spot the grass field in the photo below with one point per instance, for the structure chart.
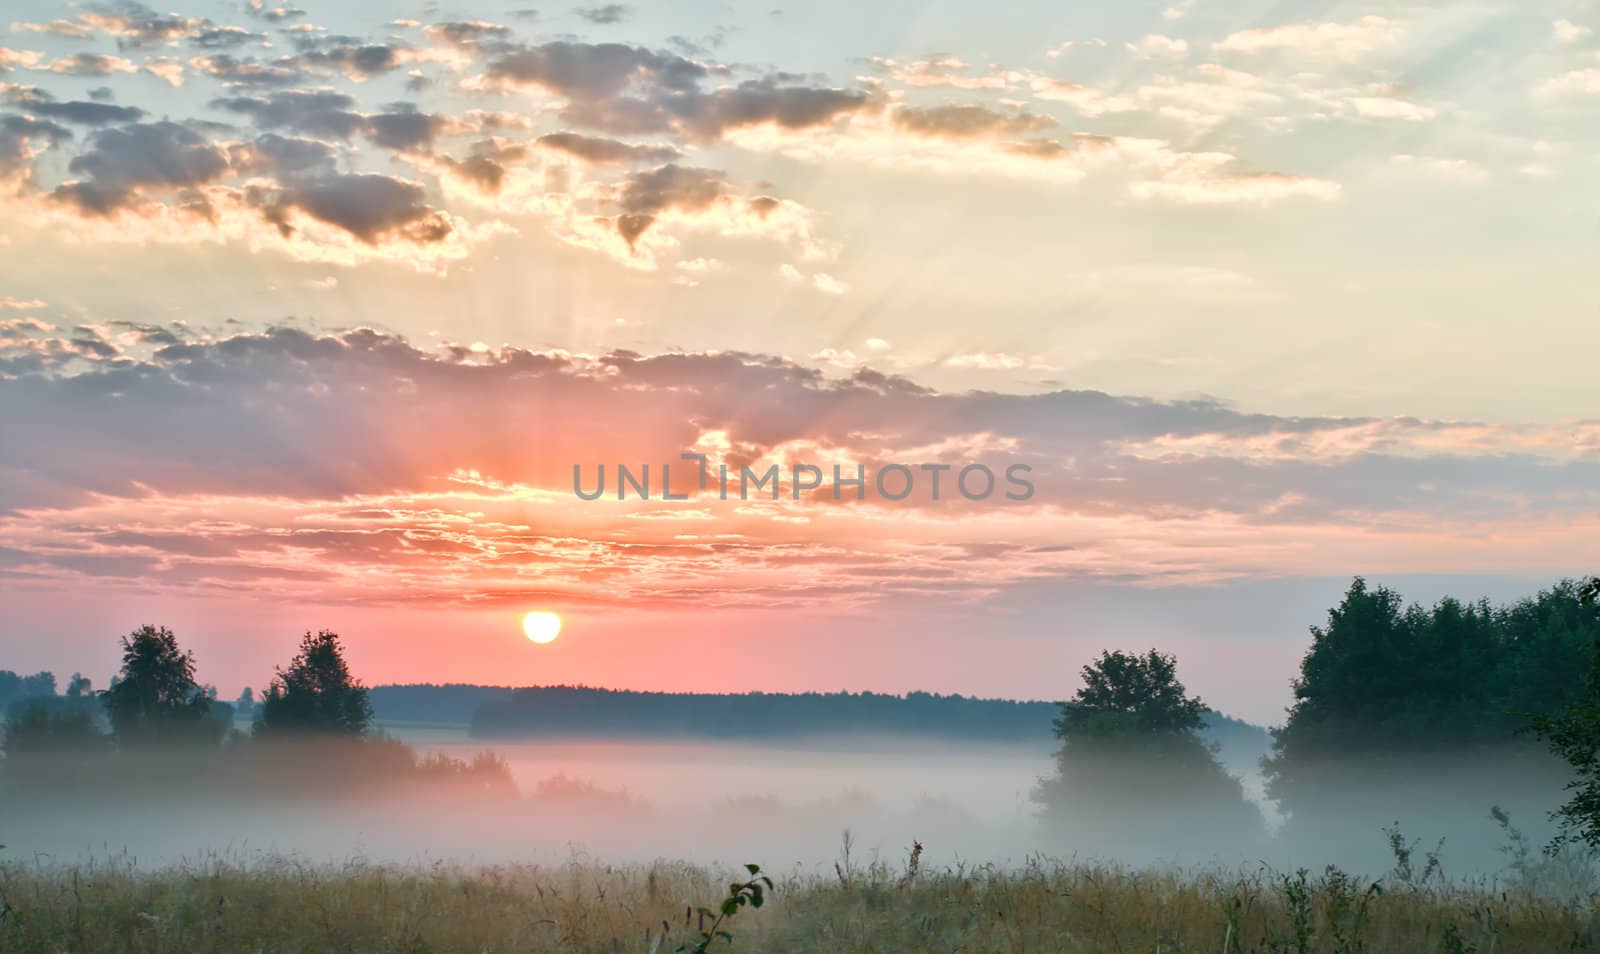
(585, 906)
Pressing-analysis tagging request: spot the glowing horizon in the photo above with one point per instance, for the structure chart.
(307, 317)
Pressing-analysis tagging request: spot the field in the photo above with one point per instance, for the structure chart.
(585, 906)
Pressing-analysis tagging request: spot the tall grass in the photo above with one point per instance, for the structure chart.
(218, 906)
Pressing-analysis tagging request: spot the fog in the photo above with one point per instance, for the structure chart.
(787, 806)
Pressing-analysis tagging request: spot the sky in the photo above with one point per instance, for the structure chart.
(308, 315)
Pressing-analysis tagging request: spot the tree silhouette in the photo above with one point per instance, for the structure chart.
(1128, 699)
(1132, 760)
(38, 731)
(79, 686)
(1575, 736)
(1384, 683)
(155, 698)
(316, 694)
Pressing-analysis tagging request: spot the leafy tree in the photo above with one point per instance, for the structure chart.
(1132, 758)
(15, 688)
(1575, 736)
(155, 698)
(1384, 683)
(79, 686)
(36, 731)
(316, 694)
(1130, 700)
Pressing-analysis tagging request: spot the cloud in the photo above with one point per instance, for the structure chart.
(11, 59)
(588, 72)
(1565, 31)
(225, 37)
(605, 15)
(1348, 41)
(1157, 45)
(985, 361)
(404, 127)
(321, 113)
(371, 207)
(158, 457)
(90, 64)
(248, 71)
(38, 102)
(629, 90)
(470, 35)
(646, 195)
(605, 151)
(121, 161)
(1215, 178)
(1441, 169)
(932, 71)
(967, 122)
(21, 139)
(277, 14)
(358, 61)
(821, 281)
(1578, 82)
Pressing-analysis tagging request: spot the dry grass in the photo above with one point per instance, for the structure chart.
(584, 906)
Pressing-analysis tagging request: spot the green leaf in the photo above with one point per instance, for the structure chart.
(753, 869)
(730, 906)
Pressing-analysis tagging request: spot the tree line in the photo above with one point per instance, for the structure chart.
(1382, 684)
(156, 699)
(1386, 692)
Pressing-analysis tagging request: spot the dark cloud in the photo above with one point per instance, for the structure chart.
(224, 37)
(371, 207)
(283, 157)
(40, 103)
(249, 70)
(404, 128)
(354, 58)
(102, 94)
(486, 167)
(122, 160)
(606, 151)
(645, 195)
(629, 90)
(753, 102)
(21, 137)
(322, 113)
(605, 14)
(374, 414)
(594, 71)
(967, 122)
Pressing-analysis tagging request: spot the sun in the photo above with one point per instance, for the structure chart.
(541, 626)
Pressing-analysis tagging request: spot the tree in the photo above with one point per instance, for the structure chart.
(15, 688)
(37, 731)
(316, 694)
(1574, 735)
(1132, 760)
(1384, 684)
(1128, 699)
(155, 698)
(79, 686)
